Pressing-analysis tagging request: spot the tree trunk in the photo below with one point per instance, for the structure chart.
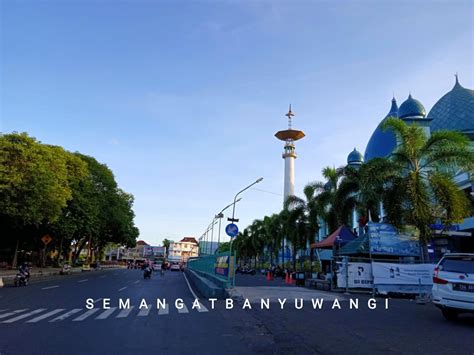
(294, 257)
(60, 252)
(15, 256)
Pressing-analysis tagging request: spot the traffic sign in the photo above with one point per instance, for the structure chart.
(232, 230)
(46, 239)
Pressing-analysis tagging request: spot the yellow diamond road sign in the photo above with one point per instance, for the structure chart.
(46, 239)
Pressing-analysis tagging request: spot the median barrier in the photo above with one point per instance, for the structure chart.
(205, 286)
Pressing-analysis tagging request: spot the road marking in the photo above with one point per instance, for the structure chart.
(97, 300)
(184, 309)
(189, 286)
(11, 320)
(49, 287)
(164, 311)
(201, 308)
(123, 288)
(83, 280)
(144, 311)
(125, 312)
(102, 276)
(13, 313)
(136, 281)
(46, 315)
(85, 315)
(107, 313)
(66, 315)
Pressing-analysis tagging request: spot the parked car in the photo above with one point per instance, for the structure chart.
(453, 285)
(156, 266)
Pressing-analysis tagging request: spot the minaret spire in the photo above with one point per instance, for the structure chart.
(289, 136)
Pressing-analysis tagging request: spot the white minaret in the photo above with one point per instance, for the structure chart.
(289, 136)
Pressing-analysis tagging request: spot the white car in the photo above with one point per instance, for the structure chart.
(156, 266)
(453, 285)
(175, 267)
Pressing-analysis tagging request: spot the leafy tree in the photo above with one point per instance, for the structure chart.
(34, 185)
(223, 247)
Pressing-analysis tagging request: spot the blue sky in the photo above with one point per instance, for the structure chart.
(181, 99)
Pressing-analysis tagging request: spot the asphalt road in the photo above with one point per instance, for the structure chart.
(50, 317)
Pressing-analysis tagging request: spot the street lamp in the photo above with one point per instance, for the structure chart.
(220, 215)
(236, 220)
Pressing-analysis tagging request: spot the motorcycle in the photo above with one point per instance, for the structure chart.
(147, 273)
(20, 280)
(245, 271)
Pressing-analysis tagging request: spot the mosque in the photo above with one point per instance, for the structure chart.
(453, 111)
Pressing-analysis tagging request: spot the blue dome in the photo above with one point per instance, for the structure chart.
(411, 108)
(355, 158)
(382, 143)
(454, 111)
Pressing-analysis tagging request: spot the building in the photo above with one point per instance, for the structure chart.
(181, 251)
(454, 111)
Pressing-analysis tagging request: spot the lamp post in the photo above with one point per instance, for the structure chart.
(219, 216)
(234, 220)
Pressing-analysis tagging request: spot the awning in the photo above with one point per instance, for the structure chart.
(341, 236)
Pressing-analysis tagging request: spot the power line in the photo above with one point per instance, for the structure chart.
(268, 192)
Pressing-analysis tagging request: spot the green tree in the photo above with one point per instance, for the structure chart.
(223, 247)
(426, 167)
(34, 186)
(166, 244)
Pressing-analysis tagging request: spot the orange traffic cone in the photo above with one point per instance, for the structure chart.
(287, 280)
(269, 276)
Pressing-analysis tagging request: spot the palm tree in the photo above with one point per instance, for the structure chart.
(257, 240)
(311, 210)
(363, 188)
(327, 201)
(273, 235)
(427, 166)
(295, 228)
(166, 244)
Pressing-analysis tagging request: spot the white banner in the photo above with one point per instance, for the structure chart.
(402, 274)
(360, 275)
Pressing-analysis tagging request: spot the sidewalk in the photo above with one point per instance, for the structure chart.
(273, 293)
(35, 272)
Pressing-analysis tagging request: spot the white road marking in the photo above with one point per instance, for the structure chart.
(97, 300)
(123, 288)
(11, 320)
(201, 308)
(83, 280)
(184, 309)
(85, 315)
(107, 313)
(125, 312)
(164, 311)
(66, 315)
(102, 276)
(144, 311)
(50, 287)
(46, 315)
(13, 313)
(136, 281)
(189, 286)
